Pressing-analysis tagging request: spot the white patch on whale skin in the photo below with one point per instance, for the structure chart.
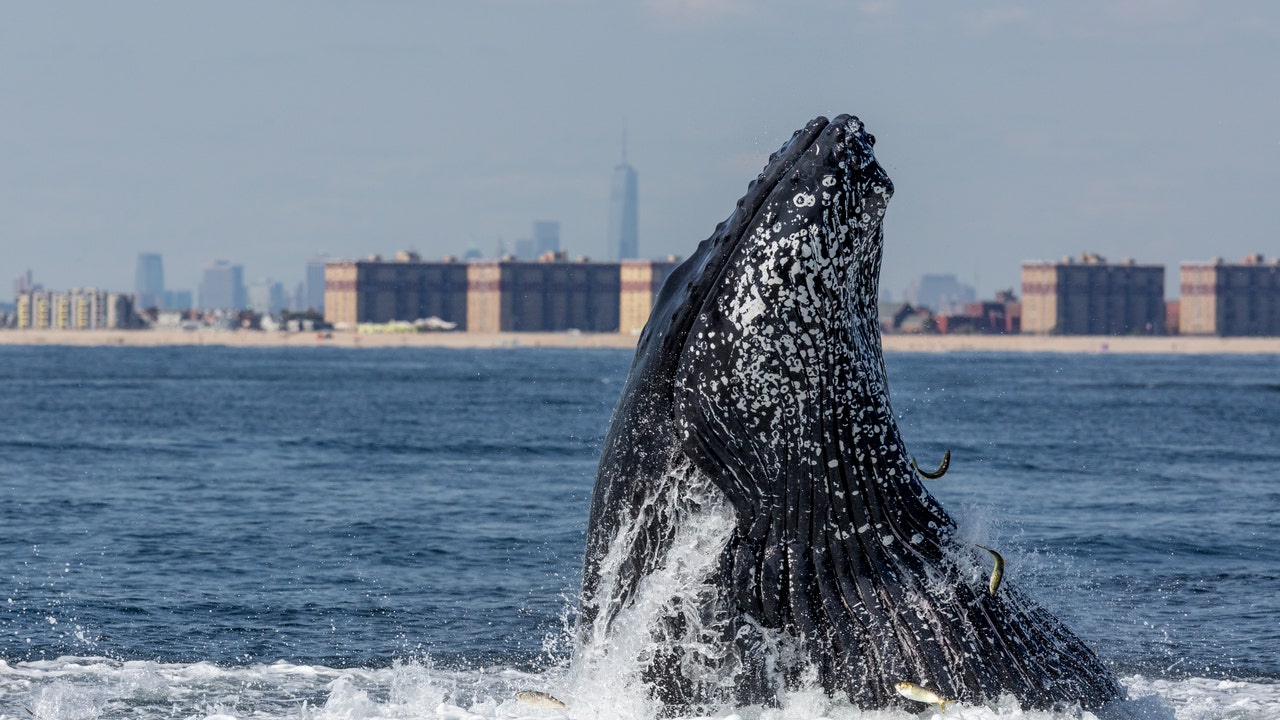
(744, 313)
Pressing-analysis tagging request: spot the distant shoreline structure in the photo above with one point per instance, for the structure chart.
(1075, 344)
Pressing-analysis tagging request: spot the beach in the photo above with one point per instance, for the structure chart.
(1082, 344)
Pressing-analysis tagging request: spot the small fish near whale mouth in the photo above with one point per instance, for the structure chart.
(756, 421)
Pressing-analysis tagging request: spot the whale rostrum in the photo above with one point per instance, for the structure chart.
(756, 512)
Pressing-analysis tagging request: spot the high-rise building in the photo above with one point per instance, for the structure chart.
(148, 281)
(546, 296)
(24, 283)
(641, 281)
(177, 300)
(42, 309)
(222, 287)
(1230, 298)
(624, 235)
(267, 297)
(943, 294)
(378, 291)
(79, 309)
(546, 237)
(506, 295)
(1091, 297)
(314, 293)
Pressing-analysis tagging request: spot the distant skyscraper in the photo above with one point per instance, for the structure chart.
(314, 299)
(267, 296)
(940, 293)
(546, 236)
(222, 287)
(177, 300)
(148, 281)
(23, 283)
(624, 234)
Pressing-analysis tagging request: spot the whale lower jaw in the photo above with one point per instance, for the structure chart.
(677, 643)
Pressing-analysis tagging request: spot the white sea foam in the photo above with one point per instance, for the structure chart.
(606, 676)
(96, 688)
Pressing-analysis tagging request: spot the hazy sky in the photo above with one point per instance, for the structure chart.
(267, 132)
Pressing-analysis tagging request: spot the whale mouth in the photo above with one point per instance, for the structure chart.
(761, 371)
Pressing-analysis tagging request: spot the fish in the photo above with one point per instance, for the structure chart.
(922, 694)
(539, 699)
(942, 469)
(997, 572)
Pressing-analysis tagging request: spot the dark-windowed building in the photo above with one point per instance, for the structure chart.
(1089, 296)
(379, 291)
(546, 296)
(1225, 299)
(554, 294)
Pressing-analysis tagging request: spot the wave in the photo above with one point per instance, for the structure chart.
(94, 688)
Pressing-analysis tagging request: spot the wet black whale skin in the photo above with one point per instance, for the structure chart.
(761, 368)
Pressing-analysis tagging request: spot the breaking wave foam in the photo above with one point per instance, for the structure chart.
(88, 688)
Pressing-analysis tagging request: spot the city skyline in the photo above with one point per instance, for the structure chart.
(1073, 296)
(1012, 132)
(942, 292)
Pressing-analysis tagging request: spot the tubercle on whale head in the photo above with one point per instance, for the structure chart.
(817, 238)
(791, 165)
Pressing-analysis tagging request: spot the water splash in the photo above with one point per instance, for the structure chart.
(87, 688)
(606, 679)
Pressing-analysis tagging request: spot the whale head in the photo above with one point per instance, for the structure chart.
(786, 337)
(814, 211)
(761, 372)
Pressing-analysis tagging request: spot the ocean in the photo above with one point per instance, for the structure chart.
(203, 532)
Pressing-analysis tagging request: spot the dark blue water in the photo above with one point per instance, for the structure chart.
(352, 508)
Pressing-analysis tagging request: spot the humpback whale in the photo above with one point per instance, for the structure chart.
(756, 517)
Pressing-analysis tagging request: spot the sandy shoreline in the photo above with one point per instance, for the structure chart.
(892, 343)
